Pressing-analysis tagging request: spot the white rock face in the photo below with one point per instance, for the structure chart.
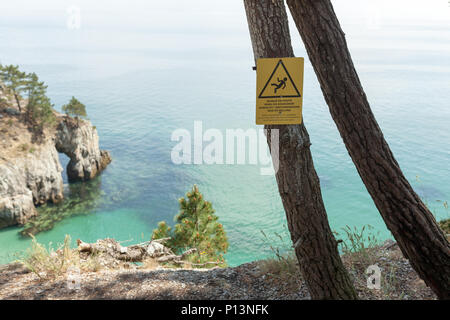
(79, 141)
(16, 201)
(42, 171)
(29, 178)
(155, 249)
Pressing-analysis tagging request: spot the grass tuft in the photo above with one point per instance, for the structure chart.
(50, 263)
(360, 245)
(283, 264)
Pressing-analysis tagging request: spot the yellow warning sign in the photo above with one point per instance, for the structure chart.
(279, 90)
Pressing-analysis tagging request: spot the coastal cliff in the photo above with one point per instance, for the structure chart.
(30, 171)
(78, 139)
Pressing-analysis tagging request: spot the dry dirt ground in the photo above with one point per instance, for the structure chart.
(256, 280)
(16, 139)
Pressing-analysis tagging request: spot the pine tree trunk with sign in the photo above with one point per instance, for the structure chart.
(411, 223)
(298, 183)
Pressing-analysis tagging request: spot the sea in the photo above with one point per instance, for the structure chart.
(145, 69)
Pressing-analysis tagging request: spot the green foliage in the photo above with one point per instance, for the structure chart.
(163, 231)
(39, 110)
(197, 227)
(14, 80)
(12, 77)
(75, 108)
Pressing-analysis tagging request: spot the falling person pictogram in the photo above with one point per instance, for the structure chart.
(279, 82)
(280, 85)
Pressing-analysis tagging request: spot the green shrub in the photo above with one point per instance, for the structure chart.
(75, 109)
(39, 110)
(197, 227)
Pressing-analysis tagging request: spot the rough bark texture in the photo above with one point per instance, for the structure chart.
(409, 220)
(298, 183)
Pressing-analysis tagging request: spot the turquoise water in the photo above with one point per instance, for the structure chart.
(141, 79)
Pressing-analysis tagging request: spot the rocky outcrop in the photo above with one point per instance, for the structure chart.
(42, 173)
(79, 141)
(28, 180)
(31, 174)
(112, 253)
(16, 200)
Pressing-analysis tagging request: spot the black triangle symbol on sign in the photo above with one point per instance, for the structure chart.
(281, 83)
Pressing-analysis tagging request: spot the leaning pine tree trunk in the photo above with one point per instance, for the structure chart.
(18, 102)
(298, 183)
(411, 223)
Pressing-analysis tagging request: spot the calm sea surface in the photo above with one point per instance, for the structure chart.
(143, 79)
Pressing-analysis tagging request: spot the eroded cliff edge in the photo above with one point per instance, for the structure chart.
(78, 139)
(30, 171)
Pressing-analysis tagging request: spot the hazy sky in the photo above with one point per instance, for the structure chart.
(205, 13)
(222, 24)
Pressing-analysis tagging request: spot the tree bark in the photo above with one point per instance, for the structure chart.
(18, 102)
(298, 183)
(411, 223)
